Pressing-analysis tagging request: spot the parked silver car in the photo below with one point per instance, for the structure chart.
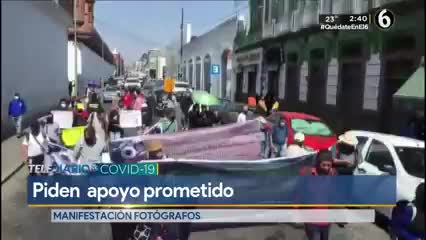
(110, 92)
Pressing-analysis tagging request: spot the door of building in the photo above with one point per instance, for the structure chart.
(350, 95)
(317, 83)
(273, 83)
(292, 85)
(239, 86)
(252, 83)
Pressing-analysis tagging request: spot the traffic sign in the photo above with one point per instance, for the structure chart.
(215, 69)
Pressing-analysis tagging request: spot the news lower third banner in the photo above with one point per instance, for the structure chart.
(213, 215)
(215, 190)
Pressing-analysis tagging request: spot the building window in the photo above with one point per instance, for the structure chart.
(198, 73)
(267, 5)
(277, 9)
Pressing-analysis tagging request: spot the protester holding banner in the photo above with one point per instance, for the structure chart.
(266, 138)
(34, 145)
(279, 138)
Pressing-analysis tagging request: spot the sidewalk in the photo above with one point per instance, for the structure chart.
(11, 156)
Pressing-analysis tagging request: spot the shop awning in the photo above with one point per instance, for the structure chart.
(411, 95)
(414, 87)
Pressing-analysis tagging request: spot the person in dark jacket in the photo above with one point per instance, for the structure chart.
(186, 102)
(279, 138)
(17, 109)
(408, 219)
(114, 129)
(151, 103)
(94, 105)
(195, 117)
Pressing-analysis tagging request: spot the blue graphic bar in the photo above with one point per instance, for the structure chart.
(213, 190)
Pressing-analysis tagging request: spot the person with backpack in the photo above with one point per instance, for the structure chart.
(17, 109)
(94, 105)
(408, 219)
(34, 145)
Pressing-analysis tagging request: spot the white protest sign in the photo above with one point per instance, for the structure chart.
(63, 118)
(130, 119)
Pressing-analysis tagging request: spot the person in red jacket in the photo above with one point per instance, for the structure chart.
(323, 167)
(128, 100)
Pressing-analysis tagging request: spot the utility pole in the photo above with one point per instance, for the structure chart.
(75, 93)
(180, 73)
(103, 59)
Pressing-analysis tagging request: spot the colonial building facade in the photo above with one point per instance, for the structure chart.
(212, 48)
(346, 77)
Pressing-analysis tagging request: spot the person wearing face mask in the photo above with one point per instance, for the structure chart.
(89, 149)
(17, 109)
(63, 105)
(242, 117)
(323, 167)
(279, 138)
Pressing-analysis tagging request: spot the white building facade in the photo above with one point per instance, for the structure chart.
(90, 66)
(211, 50)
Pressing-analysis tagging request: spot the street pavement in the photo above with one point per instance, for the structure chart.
(20, 222)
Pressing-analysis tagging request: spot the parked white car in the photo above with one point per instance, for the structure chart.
(132, 83)
(390, 154)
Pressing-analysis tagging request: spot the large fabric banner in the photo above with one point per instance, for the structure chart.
(233, 147)
(130, 119)
(63, 118)
(240, 141)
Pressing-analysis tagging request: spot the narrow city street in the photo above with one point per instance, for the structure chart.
(255, 97)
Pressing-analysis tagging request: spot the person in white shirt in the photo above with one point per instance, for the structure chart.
(298, 147)
(34, 145)
(242, 117)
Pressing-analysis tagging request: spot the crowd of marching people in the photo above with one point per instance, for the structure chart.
(180, 114)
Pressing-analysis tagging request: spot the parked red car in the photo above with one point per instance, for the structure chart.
(317, 134)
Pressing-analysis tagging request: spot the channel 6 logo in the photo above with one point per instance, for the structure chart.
(384, 19)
